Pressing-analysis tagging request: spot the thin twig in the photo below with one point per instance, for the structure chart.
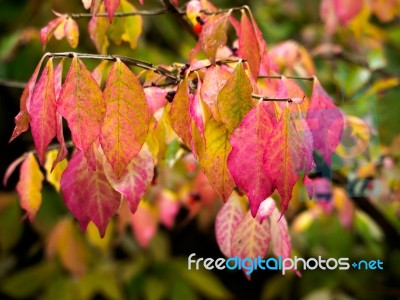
(264, 98)
(282, 76)
(124, 59)
(155, 12)
(12, 83)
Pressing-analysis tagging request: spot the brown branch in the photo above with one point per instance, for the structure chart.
(155, 12)
(264, 98)
(311, 78)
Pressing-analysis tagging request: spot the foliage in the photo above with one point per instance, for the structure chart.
(151, 138)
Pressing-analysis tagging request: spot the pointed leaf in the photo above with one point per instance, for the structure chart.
(325, 121)
(53, 175)
(249, 144)
(265, 210)
(22, 119)
(180, 117)
(234, 100)
(87, 193)
(72, 32)
(213, 35)
(248, 45)
(281, 244)
(29, 186)
(227, 221)
(213, 155)
(47, 31)
(127, 118)
(99, 72)
(251, 239)
(278, 158)
(62, 152)
(155, 98)
(214, 80)
(111, 7)
(97, 28)
(42, 111)
(138, 175)
(81, 103)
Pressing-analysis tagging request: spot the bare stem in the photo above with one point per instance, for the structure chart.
(12, 83)
(311, 78)
(264, 98)
(125, 59)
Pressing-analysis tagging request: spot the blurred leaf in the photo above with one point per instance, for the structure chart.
(10, 222)
(155, 288)
(60, 289)
(27, 282)
(181, 290)
(202, 280)
(351, 78)
(94, 238)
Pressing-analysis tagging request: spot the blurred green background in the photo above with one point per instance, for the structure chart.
(52, 259)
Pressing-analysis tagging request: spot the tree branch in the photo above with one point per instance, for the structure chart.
(311, 78)
(12, 83)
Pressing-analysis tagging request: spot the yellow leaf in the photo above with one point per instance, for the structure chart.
(29, 186)
(94, 238)
(54, 176)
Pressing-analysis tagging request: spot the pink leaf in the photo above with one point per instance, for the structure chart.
(22, 119)
(81, 103)
(281, 243)
(346, 10)
(325, 121)
(265, 210)
(168, 207)
(47, 31)
(43, 111)
(249, 144)
(88, 194)
(138, 175)
(227, 221)
(62, 152)
(144, 224)
(111, 7)
(155, 98)
(72, 32)
(196, 109)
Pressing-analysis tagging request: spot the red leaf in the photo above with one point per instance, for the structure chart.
(248, 45)
(29, 186)
(249, 144)
(325, 121)
(22, 119)
(81, 103)
(43, 111)
(111, 7)
(144, 223)
(138, 175)
(281, 244)
(279, 160)
(180, 117)
(62, 152)
(346, 10)
(88, 194)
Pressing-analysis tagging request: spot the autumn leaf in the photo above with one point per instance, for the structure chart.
(227, 221)
(22, 119)
(197, 109)
(234, 100)
(214, 80)
(249, 145)
(72, 32)
(213, 35)
(213, 155)
(251, 239)
(248, 45)
(134, 182)
(144, 223)
(87, 193)
(29, 186)
(325, 121)
(66, 242)
(47, 31)
(81, 103)
(53, 175)
(155, 98)
(281, 243)
(62, 152)
(278, 158)
(179, 113)
(168, 206)
(111, 7)
(42, 111)
(127, 118)
(97, 28)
